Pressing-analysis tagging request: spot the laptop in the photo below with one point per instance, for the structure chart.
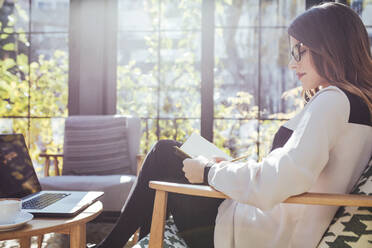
(18, 179)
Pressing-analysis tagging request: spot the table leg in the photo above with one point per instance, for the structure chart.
(25, 242)
(78, 236)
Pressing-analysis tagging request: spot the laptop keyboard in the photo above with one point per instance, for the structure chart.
(43, 200)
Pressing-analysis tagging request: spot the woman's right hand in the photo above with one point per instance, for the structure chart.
(194, 169)
(218, 159)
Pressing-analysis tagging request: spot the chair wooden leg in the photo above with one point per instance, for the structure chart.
(158, 219)
(40, 239)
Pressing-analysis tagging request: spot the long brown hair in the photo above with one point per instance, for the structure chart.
(339, 47)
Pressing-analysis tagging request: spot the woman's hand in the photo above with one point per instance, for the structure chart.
(194, 169)
(219, 159)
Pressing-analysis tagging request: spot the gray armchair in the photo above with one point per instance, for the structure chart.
(100, 153)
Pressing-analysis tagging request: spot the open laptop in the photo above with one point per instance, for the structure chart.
(19, 180)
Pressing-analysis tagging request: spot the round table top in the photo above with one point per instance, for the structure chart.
(39, 226)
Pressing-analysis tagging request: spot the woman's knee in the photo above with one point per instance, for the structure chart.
(165, 146)
(164, 159)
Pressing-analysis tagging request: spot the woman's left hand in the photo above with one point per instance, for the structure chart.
(194, 169)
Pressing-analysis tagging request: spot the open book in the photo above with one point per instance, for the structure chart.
(196, 145)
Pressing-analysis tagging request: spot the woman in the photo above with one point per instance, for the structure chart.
(324, 149)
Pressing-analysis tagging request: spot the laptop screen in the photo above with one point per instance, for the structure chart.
(17, 174)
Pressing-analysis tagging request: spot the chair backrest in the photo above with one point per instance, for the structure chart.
(101, 145)
(351, 226)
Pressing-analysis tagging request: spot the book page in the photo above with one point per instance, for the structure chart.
(196, 145)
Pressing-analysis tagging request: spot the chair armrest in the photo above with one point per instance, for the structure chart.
(48, 157)
(305, 198)
(187, 189)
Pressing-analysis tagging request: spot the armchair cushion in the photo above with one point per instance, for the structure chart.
(352, 226)
(171, 239)
(96, 145)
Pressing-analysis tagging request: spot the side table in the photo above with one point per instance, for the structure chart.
(74, 226)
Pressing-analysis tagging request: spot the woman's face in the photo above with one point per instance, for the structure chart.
(303, 66)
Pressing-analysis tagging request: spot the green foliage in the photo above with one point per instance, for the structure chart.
(9, 47)
(31, 92)
(46, 81)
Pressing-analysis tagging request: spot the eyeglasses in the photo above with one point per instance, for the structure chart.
(296, 51)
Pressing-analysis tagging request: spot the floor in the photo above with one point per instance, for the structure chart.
(95, 233)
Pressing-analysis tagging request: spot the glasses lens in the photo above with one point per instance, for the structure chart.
(296, 53)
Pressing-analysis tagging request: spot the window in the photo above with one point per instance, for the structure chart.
(34, 70)
(159, 49)
(159, 77)
(159, 69)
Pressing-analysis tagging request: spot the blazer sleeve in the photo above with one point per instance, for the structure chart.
(293, 168)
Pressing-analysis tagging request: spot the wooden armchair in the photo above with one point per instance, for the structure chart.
(163, 188)
(99, 153)
(51, 157)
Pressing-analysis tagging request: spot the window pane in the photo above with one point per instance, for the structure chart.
(14, 125)
(148, 139)
(180, 74)
(281, 12)
(137, 83)
(268, 130)
(178, 129)
(138, 47)
(14, 88)
(14, 16)
(236, 13)
(236, 73)
(138, 100)
(277, 81)
(50, 16)
(49, 75)
(138, 15)
(236, 137)
(180, 14)
(46, 135)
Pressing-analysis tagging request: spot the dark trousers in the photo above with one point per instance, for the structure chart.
(194, 216)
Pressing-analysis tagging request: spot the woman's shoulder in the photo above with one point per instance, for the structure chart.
(353, 105)
(330, 94)
(327, 102)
